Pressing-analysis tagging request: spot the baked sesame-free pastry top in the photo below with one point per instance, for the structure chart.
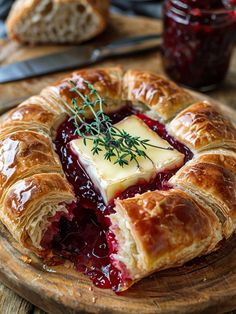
(122, 172)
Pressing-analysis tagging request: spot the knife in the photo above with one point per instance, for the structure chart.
(76, 57)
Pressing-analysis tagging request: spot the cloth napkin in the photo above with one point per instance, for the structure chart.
(5, 6)
(151, 8)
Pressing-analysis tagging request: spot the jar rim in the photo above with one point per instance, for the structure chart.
(191, 11)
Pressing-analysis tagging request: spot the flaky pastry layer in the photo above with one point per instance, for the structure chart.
(153, 231)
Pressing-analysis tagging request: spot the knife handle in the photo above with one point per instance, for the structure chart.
(127, 46)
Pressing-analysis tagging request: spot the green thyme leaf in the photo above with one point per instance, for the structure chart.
(120, 147)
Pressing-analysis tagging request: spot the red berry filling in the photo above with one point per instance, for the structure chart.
(85, 239)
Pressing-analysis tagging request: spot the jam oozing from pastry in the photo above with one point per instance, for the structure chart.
(84, 239)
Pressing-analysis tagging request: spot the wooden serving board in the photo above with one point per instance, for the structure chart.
(206, 284)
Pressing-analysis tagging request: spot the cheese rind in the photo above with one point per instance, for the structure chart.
(112, 179)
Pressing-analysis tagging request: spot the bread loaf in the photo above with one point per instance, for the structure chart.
(57, 21)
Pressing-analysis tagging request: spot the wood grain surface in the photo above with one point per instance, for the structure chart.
(206, 285)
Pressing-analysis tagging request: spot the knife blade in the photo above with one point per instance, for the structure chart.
(76, 57)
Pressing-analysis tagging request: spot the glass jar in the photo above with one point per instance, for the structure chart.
(198, 41)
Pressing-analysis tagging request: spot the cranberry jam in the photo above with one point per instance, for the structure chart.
(83, 239)
(198, 41)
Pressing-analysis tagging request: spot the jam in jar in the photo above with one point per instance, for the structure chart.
(198, 41)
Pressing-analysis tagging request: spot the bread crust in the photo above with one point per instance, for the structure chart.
(161, 228)
(22, 9)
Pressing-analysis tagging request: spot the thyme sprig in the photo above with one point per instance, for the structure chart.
(118, 145)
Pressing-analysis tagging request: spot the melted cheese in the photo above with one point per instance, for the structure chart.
(112, 179)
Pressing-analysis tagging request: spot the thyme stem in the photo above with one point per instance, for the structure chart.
(119, 146)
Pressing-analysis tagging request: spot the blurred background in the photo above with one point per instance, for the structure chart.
(198, 36)
(138, 7)
(151, 8)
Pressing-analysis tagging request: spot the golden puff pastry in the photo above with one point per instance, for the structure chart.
(30, 202)
(161, 229)
(211, 179)
(161, 96)
(24, 153)
(108, 82)
(150, 230)
(31, 116)
(143, 89)
(202, 126)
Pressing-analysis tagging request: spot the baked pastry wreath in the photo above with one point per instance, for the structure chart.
(57, 200)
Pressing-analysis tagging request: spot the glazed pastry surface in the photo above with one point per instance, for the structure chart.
(23, 153)
(30, 202)
(202, 126)
(162, 96)
(211, 179)
(162, 229)
(154, 230)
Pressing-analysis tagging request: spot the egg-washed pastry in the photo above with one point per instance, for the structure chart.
(122, 172)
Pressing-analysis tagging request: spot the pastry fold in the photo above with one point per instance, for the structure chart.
(33, 187)
(202, 126)
(30, 203)
(108, 83)
(32, 115)
(24, 153)
(159, 230)
(161, 96)
(211, 179)
(145, 90)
